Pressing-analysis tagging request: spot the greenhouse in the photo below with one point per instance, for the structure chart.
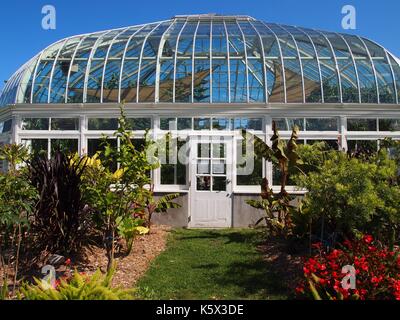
(204, 78)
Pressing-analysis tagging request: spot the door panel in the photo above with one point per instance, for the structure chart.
(210, 182)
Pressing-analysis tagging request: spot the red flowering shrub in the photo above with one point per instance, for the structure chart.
(377, 272)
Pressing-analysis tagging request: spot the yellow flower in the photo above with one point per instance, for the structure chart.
(142, 230)
(118, 174)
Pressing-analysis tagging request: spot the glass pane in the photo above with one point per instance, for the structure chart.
(35, 124)
(184, 123)
(203, 183)
(238, 81)
(219, 150)
(201, 90)
(183, 80)
(362, 146)
(218, 167)
(64, 124)
(219, 183)
(168, 123)
(286, 124)
(361, 125)
(167, 174)
(330, 144)
(220, 81)
(68, 146)
(139, 123)
(36, 146)
(220, 124)
(166, 80)
(201, 124)
(203, 167)
(96, 145)
(102, 124)
(203, 150)
(328, 124)
(249, 166)
(389, 124)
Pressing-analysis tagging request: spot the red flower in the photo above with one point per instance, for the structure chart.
(368, 239)
(68, 262)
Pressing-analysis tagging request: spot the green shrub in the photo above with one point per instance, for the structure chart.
(349, 195)
(79, 287)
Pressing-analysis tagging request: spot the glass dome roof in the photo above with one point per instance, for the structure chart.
(208, 59)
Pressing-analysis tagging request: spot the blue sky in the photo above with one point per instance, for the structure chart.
(22, 35)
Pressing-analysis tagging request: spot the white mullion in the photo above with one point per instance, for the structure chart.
(123, 61)
(229, 62)
(89, 64)
(175, 60)
(263, 62)
(245, 62)
(211, 63)
(106, 62)
(193, 57)
(158, 62)
(318, 62)
(52, 69)
(71, 64)
(141, 59)
(300, 62)
(336, 64)
(373, 68)
(282, 59)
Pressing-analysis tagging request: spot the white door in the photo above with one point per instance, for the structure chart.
(211, 182)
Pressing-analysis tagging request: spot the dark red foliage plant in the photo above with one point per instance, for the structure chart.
(377, 272)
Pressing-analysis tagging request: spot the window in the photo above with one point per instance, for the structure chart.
(56, 124)
(249, 167)
(96, 145)
(362, 146)
(247, 124)
(139, 124)
(308, 124)
(361, 125)
(35, 124)
(5, 126)
(389, 124)
(102, 124)
(173, 172)
(220, 124)
(324, 124)
(285, 124)
(68, 146)
(37, 147)
(202, 124)
(64, 124)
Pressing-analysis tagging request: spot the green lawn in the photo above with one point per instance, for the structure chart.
(212, 264)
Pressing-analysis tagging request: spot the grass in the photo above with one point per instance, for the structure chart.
(212, 264)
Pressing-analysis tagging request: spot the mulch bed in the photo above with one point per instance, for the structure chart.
(129, 268)
(287, 266)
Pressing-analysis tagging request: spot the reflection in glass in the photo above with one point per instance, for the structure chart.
(218, 167)
(361, 125)
(219, 183)
(389, 124)
(203, 183)
(203, 150)
(203, 167)
(202, 124)
(68, 146)
(64, 124)
(37, 147)
(324, 124)
(35, 124)
(102, 124)
(184, 123)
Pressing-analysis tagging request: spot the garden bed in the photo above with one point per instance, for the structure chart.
(129, 268)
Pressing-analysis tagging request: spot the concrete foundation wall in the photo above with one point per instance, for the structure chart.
(174, 217)
(243, 215)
